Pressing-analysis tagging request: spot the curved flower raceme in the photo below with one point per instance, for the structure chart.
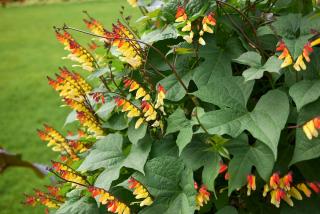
(122, 38)
(95, 26)
(202, 197)
(283, 189)
(51, 199)
(77, 52)
(91, 123)
(140, 192)
(311, 128)
(300, 63)
(68, 174)
(70, 85)
(134, 86)
(58, 142)
(105, 198)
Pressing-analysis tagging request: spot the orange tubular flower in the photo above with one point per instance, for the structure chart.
(104, 197)
(274, 180)
(181, 15)
(58, 142)
(311, 128)
(123, 40)
(314, 187)
(77, 52)
(202, 198)
(251, 179)
(285, 181)
(140, 192)
(284, 55)
(42, 198)
(304, 189)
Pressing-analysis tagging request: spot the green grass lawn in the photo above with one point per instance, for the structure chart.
(28, 53)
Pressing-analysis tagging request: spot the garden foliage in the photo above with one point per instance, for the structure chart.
(198, 106)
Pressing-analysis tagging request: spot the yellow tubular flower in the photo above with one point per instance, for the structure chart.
(310, 128)
(304, 189)
(189, 38)
(295, 193)
(315, 42)
(140, 192)
(187, 27)
(133, 3)
(201, 41)
(138, 123)
(266, 189)
(300, 64)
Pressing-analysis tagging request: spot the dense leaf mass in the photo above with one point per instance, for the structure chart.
(199, 106)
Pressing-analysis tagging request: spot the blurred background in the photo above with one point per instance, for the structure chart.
(28, 53)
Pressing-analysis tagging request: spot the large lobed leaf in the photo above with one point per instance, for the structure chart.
(108, 154)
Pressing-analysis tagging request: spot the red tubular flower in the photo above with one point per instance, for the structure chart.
(314, 187)
(286, 181)
(223, 167)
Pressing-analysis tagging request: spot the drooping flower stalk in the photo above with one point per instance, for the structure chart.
(140, 192)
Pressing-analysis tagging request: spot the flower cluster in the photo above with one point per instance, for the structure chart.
(283, 189)
(202, 197)
(125, 42)
(58, 142)
(299, 64)
(104, 197)
(95, 26)
(134, 86)
(70, 85)
(77, 52)
(68, 174)
(206, 25)
(140, 192)
(74, 89)
(127, 106)
(311, 128)
(51, 199)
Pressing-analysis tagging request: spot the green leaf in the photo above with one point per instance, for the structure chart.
(256, 69)
(72, 116)
(177, 121)
(134, 134)
(198, 154)
(106, 109)
(306, 149)
(296, 45)
(170, 183)
(108, 154)
(175, 90)
(217, 61)
(100, 72)
(246, 156)
(184, 137)
(168, 32)
(79, 205)
(118, 121)
(265, 122)
(226, 92)
(305, 92)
